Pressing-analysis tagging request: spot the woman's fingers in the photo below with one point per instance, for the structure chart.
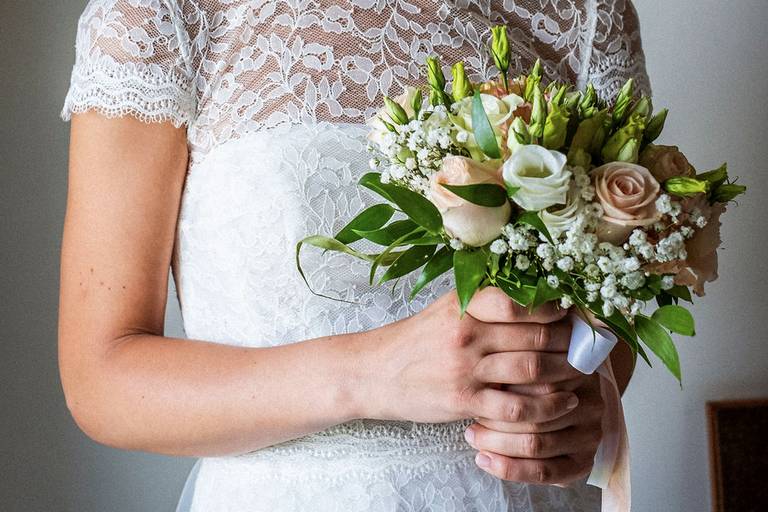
(543, 445)
(558, 470)
(589, 412)
(512, 337)
(491, 305)
(508, 407)
(525, 368)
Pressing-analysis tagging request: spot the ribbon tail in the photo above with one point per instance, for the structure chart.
(610, 471)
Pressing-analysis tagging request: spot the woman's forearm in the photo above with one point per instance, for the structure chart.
(185, 397)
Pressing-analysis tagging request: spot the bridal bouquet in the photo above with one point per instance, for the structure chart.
(548, 193)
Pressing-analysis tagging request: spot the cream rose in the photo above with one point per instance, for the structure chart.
(472, 224)
(498, 110)
(539, 174)
(665, 162)
(377, 128)
(627, 192)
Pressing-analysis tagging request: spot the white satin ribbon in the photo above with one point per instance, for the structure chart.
(588, 352)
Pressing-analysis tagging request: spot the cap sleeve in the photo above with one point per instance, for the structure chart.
(617, 50)
(133, 58)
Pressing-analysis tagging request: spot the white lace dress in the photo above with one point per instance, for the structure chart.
(274, 94)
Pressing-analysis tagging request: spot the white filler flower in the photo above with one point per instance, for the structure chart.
(540, 175)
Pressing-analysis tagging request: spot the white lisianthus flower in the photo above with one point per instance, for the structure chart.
(560, 218)
(540, 175)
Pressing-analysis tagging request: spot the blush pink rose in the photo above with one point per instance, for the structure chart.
(627, 192)
(665, 162)
(472, 224)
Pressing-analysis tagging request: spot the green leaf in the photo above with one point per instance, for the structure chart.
(533, 220)
(417, 207)
(482, 129)
(440, 263)
(659, 341)
(425, 240)
(511, 190)
(716, 177)
(329, 244)
(382, 258)
(681, 292)
(469, 269)
(388, 234)
(369, 219)
(408, 261)
(544, 293)
(520, 293)
(664, 299)
(676, 319)
(372, 181)
(728, 192)
(481, 194)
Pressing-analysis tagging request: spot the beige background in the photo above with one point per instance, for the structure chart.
(707, 60)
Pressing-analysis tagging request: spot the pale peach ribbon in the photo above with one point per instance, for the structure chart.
(610, 472)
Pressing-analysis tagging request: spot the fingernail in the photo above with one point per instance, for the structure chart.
(572, 402)
(482, 460)
(469, 435)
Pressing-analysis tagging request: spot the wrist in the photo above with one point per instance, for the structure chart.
(363, 374)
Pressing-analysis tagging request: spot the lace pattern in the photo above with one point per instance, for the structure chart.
(230, 67)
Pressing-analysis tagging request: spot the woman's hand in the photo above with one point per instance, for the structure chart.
(553, 452)
(439, 367)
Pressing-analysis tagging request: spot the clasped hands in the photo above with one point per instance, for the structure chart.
(553, 428)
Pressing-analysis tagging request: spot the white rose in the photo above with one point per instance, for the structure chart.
(500, 114)
(559, 219)
(472, 224)
(377, 128)
(540, 176)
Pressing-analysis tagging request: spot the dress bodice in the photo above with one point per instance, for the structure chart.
(273, 94)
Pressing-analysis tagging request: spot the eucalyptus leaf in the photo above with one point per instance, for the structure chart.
(676, 319)
(369, 219)
(439, 264)
(469, 270)
(483, 131)
(408, 261)
(660, 343)
(481, 194)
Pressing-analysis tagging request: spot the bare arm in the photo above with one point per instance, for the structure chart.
(130, 387)
(125, 383)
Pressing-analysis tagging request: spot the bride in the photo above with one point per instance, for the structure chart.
(209, 136)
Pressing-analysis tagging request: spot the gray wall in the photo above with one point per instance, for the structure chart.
(694, 50)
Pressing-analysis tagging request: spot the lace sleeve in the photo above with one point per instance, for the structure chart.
(133, 58)
(617, 50)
